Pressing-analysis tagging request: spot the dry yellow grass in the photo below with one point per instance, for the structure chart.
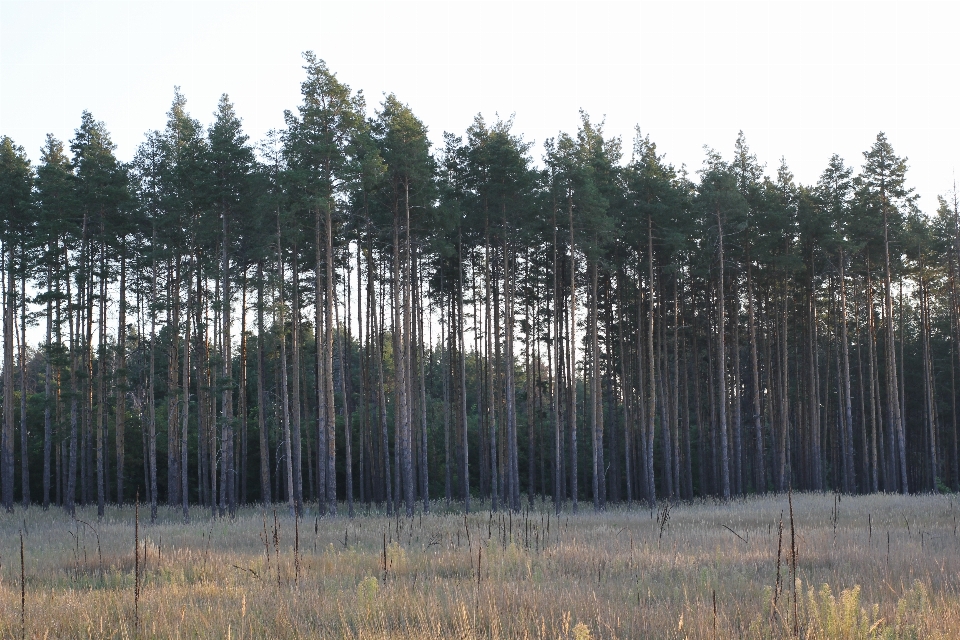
(618, 574)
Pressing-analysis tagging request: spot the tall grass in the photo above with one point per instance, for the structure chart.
(694, 570)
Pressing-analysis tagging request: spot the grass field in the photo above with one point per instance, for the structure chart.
(876, 566)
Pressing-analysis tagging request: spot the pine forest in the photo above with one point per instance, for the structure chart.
(341, 315)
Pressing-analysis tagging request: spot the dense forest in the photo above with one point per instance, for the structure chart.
(340, 314)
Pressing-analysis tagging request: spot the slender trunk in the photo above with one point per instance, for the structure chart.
(864, 437)
(531, 364)
(74, 391)
(330, 300)
(513, 470)
(47, 391)
(446, 367)
(261, 394)
(6, 446)
(151, 394)
(296, 431)
(626, 393)
(571, 360)
(421, 350)
(173, 383)
(930, 407)
(377, 337)
(760, 474)
(675, 389)
(241, 390)
(850, 484)
(203, 389)
(284, 388)
(101, 426)
(461, 356)
(228, 499)
(893, 384)
(185, 414)
(595, 426)
(363, 355)
(555, 375)
(722, 371)
(345, 394)
(874, 408)
(785, 472)
(210, 376)
(815, 450)
(320, 343)
(88, 425)
(687, 463)
(121, 377)
(22, 351)
(663, 390)
(491, 413)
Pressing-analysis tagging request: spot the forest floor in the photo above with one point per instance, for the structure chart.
(873, 566)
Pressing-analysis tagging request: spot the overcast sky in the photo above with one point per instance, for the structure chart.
(803, 80)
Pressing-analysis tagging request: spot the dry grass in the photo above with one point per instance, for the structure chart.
(619, 574)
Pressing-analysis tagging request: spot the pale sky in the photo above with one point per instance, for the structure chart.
(803, 80)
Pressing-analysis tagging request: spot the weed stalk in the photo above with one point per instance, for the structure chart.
(23, 592)
(793, 567)
(136, 563)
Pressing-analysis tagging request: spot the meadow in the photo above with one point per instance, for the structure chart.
(879, 566)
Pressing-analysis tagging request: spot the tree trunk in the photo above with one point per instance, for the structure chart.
(555, 373)
(625, 384)
(875, 418)
(490, 409)
(151, 395)
(228, 499)
(571, 360)
(462, 405)
(893, 393)
(284, 388)
(241, 391)
(446, 367)
(760, 473)
(813, 392)
(173, 383)
(930, 405)
(531, 365)
(261, 395)
(595, 426)
(850, 484)
(47, 390)
(101, 426)
(70, 491)
(421, 351)
(721, 371)
(377, 338)
(296, 431)
(320, 341)
(6, 448)
(343, 354)
(509, 386)
(785, 472)
(121, 381)
(330, 300)
(185, 416)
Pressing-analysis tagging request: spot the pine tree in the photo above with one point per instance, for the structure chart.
(882, 188)
(16, 184)
(316, 145)
(229, 162)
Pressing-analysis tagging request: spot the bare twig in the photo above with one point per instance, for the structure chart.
(734, 533)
